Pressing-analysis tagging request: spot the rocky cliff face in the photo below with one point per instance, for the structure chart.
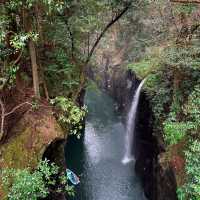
(157, 177)
(166, 181)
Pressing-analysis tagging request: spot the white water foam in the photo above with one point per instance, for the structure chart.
(130, 126)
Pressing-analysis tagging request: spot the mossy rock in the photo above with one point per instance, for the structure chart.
(30, 138)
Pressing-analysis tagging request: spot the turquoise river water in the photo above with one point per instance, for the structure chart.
(96, 159)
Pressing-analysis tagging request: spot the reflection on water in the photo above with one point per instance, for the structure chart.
(97, 159)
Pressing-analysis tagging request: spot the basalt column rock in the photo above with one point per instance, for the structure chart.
(146, 148)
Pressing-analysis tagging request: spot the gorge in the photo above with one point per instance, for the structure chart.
(109, 89)
(98, 161)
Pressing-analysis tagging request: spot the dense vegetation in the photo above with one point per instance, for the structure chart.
(173, 86)
(24, 184)
(47, 46)
(45, 49)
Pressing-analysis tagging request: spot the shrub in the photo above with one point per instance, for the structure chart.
(144, 67)
(191, 189)
(175, 131)
(70, 114)
(192, 108)
(23, 184)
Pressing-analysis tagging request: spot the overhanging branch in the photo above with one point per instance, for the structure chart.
(115, 19)
(4, 115)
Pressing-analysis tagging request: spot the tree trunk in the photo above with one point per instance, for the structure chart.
(35, 75)
(2, 119)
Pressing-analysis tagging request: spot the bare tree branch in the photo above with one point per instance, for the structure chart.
(4, 115)
(2, 118)
(17, 107)
(121, 13)
(18, 58)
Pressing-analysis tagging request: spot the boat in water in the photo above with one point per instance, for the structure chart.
(74, 179)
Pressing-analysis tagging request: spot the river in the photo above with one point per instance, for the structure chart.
(97, 158)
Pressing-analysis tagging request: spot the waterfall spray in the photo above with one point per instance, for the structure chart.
(130, 126)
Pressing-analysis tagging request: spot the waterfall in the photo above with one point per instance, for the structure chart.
(130, 126)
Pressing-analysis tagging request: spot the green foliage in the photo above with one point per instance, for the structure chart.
(62, 46)
(4, 22)
(173, 115)
(158, 87)
(192, 108)
(174, 92)
(19, 40)
(70, 115)
(175, 131)
(62, 77)
(8, 76)
(160, 101)
(180, 194)
(86, 18)
(52, 5)
(191, 189)
(91, 85)
(69, 189)
(153, 80)
(4, 52)
(11, 73)
(23, 184)
(186, 8)
(181, 57)
(144, 67)
(55, 6)
(171, 58)
(35, 104)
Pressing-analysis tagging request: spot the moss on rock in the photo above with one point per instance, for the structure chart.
(30, 138)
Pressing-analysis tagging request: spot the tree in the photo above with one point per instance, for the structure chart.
(78, 22)
(185, 1)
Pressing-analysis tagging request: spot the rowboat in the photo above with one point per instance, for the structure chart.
(74, 179)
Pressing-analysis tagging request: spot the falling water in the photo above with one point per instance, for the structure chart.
(128, 157)
(96, 157)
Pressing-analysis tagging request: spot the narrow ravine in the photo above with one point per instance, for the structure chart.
(97, 159)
